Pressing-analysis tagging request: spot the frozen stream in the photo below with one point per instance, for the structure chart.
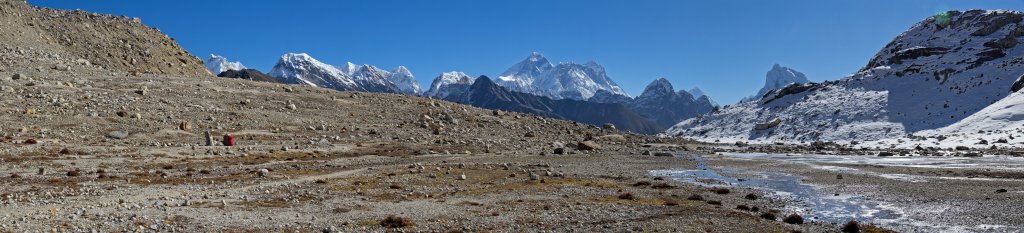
(812, 202)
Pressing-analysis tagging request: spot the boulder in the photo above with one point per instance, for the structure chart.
(587, 145)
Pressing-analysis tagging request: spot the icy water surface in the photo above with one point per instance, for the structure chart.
(817, 205)
(808, 201)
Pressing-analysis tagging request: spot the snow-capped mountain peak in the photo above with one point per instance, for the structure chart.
(300, 68)
(567, 80)
(779, 77)
(405, 81)
(218, 64)
(448, 83)
(349, 68)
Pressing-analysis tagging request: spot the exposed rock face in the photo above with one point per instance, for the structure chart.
(247, 74)
(112, 42)
(484, 93)
(938, 72)
(666, 107)
(660, 103)
(370, 78)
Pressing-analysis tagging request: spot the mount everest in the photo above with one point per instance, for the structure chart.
(535, 75)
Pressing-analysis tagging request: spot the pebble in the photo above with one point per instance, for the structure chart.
(462, 176)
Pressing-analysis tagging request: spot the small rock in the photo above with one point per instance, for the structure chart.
(1001, 191)
(117, 134)
(662, 154)
(185, 126)
(83, 62)
(462, 176)
(18, 76)
(263, 172)
(534, 176)
(292, 107)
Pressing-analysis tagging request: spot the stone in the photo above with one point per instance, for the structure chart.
(529, 135)
(608, 126)
(263, 172)
(292, 107)
(461, 176)
(185, 126)
(209, 138)
(587, 145)
(117, 134)
(534, 176)
(559, 151)
(18, 76)
(83, 62)
(662, 154)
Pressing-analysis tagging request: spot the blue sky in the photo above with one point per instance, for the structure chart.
(723, 46)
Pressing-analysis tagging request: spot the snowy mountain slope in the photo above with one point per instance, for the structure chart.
(938, 72)
(300, 68)
(449, 83)
(405, 81)
(536, 75)
(1006, 115)
(218, 64)
(370, 78)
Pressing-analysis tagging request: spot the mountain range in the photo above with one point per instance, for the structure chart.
(568, 90)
